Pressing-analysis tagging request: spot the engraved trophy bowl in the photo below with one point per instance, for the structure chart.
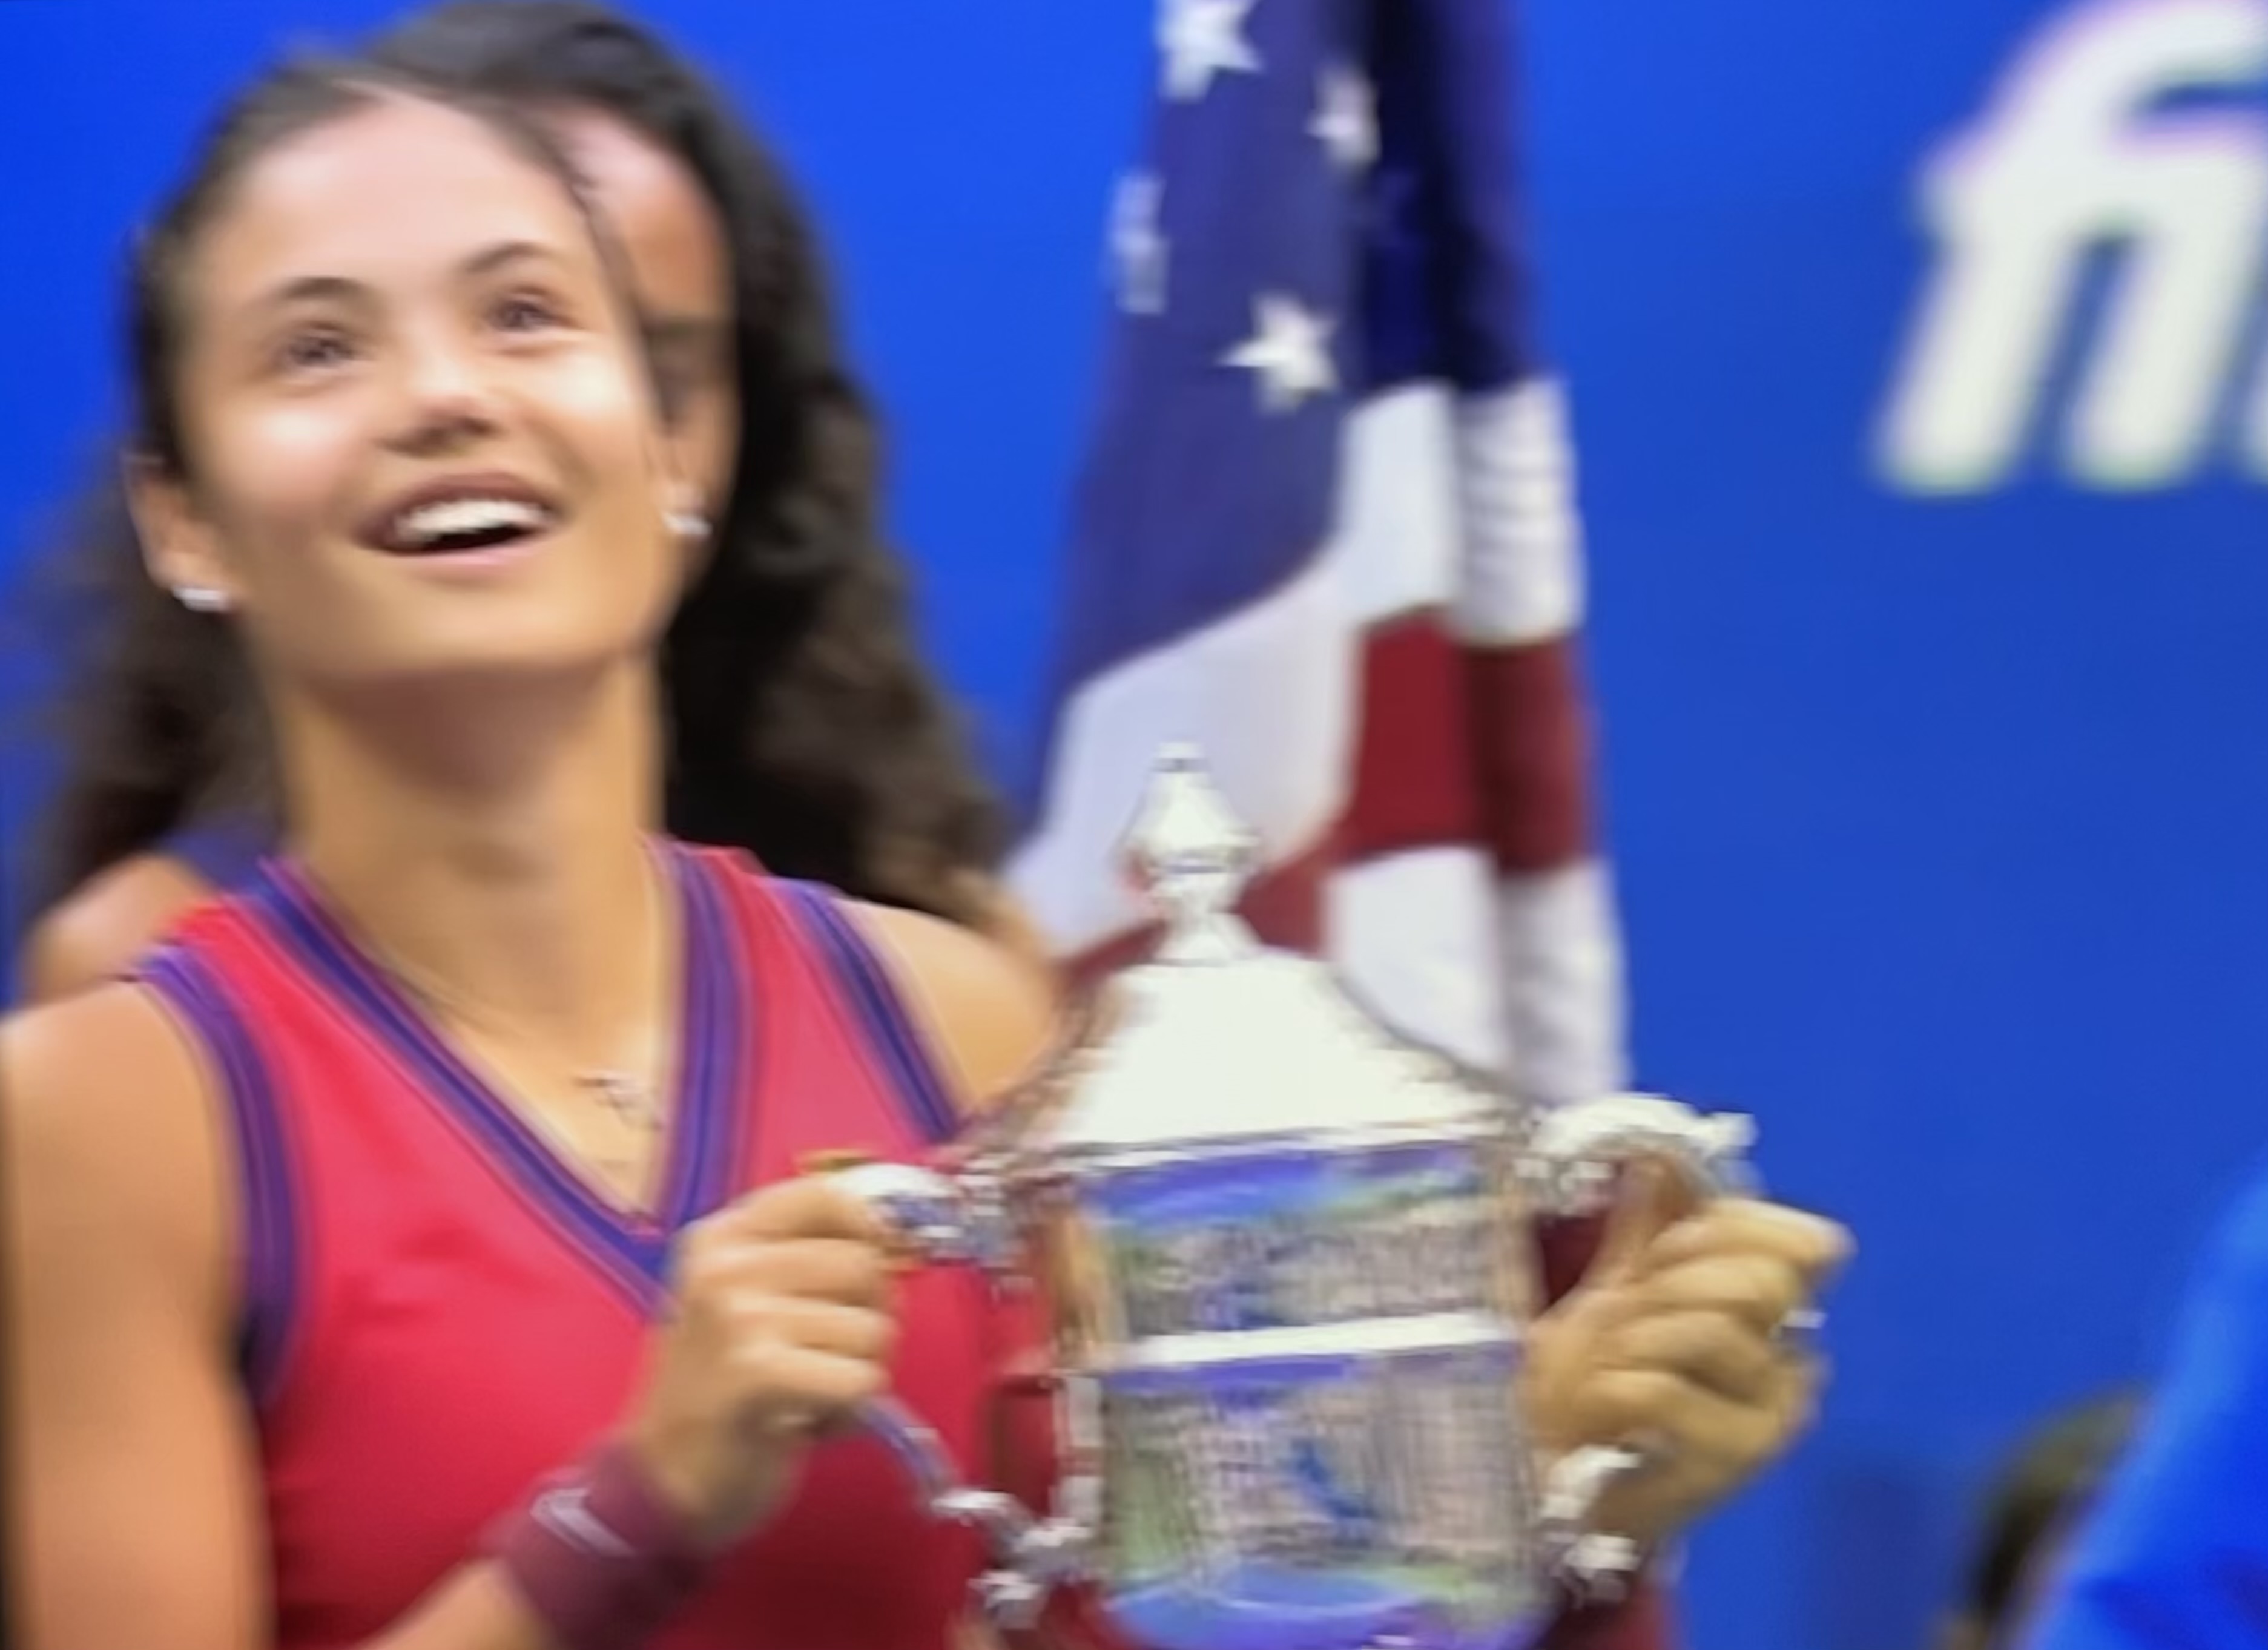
(1285, 1255)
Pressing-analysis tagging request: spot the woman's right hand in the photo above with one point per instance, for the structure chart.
(782, 1323)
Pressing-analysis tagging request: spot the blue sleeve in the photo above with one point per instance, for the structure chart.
(2175, 1553)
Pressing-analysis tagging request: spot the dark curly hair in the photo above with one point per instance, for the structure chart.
(803, 723)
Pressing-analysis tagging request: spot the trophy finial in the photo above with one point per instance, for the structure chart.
(1192, 856)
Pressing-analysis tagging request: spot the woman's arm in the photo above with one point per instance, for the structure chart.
(134, 1496)
(133, 1475)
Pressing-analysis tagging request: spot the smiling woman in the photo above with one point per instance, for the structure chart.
(803, 723)
(446, 383)
(438, 1195)
(467, 519)
(437, 1118)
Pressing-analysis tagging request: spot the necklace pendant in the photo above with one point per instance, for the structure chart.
(624, 1094)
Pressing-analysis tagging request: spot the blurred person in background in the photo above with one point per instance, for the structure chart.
(2046, 1483)
(2174, 1555)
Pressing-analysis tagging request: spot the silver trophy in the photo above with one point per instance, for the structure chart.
(1286, 1258)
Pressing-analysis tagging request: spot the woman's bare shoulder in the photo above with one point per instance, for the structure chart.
(106, 1127)
(992, 1009)
(125, 1430)
(1001, 919)
(99, 929)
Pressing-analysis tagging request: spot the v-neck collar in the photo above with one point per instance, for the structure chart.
(700, 1149)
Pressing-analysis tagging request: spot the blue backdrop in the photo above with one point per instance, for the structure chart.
(1937, 746)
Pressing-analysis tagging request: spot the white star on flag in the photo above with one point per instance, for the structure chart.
(1289, 351)
(1346, 118)
(1137, 246)
(1199, 39)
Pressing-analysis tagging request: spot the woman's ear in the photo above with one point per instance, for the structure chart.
(179, 546)
(684, 509)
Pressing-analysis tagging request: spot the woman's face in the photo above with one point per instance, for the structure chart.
(674, 241)
(420, 434)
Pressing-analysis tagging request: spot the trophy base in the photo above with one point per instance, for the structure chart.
(1258, 1606)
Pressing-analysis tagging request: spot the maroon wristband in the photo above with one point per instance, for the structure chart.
(598, 1555)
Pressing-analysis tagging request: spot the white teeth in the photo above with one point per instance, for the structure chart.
(452, 517)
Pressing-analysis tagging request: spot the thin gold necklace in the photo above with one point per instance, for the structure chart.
(633, 1100)
(627, 1095)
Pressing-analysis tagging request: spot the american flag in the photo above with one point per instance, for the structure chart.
(1327, 533)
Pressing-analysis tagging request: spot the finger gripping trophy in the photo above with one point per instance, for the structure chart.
(1286, 1257)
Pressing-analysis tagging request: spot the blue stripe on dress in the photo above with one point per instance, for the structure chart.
(626, 1248)
(873, 995)
(270, 1218)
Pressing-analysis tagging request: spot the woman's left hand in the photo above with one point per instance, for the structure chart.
(1674, 1342)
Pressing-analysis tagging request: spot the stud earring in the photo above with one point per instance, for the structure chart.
(202, 599)
(690, 525)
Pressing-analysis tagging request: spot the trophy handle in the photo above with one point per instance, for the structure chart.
(952, 1221)
(1575, 1151)
(1570, 1160)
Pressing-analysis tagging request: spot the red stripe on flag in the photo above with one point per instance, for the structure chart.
(1480, 745)
(1413, 779)
(1530, 753)
(1456, 744)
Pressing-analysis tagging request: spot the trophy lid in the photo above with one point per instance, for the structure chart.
(1217, 1037)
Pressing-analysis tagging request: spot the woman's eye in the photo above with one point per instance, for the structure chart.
(525, 313)
(314, 350)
